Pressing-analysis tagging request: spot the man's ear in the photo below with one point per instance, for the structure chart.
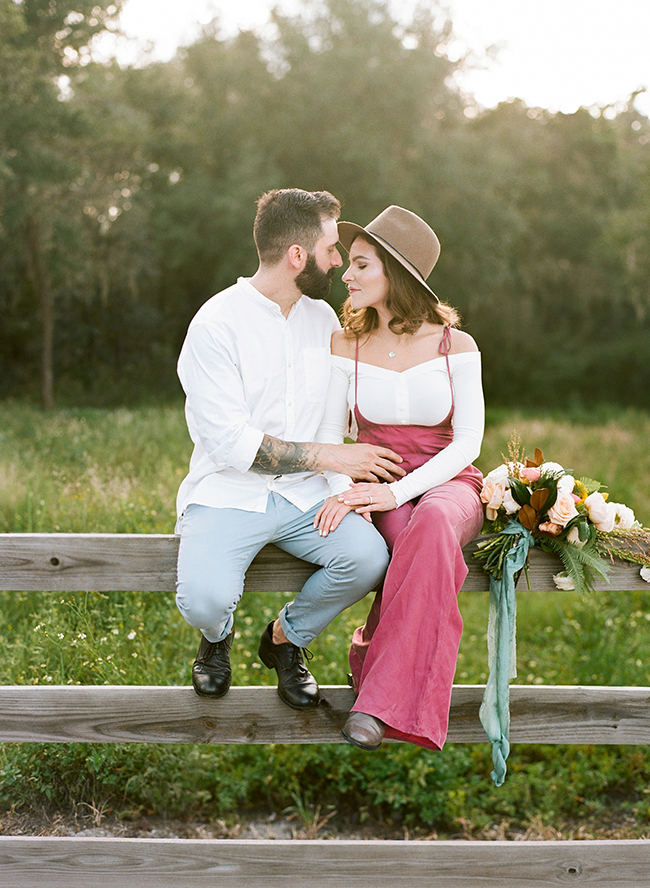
(297, 257)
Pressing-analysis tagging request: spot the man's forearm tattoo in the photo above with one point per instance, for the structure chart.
(276, 457)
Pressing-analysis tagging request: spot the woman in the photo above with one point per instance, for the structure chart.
(413, 382)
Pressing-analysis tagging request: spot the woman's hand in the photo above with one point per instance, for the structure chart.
(365, 498)
(330, 515)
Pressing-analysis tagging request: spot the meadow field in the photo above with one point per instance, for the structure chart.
(118, 470)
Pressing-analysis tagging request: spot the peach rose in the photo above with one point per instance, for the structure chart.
(551, 527)
(564, 508)
(494, 490)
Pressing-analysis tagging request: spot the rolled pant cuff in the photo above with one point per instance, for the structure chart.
(293, 637)
(225, 632)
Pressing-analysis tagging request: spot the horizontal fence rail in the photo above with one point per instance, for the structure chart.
(195, 863)
(68, 562)
(250, 715)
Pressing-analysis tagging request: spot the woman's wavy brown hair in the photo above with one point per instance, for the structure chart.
(408, 301)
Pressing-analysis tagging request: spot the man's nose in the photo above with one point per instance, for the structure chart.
(336, 260)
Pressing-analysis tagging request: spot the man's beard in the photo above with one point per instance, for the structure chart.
(314, 282)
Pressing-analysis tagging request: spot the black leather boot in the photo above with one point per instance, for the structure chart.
(211, 672)
(296, 685)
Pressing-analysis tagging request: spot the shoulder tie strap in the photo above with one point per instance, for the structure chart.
(356, 373)
(444, 349)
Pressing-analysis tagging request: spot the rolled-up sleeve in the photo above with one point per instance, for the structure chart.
(216, 408)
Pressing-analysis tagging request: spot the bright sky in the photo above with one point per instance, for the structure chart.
(559, 54)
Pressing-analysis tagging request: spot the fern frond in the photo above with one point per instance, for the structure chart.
(582, 563)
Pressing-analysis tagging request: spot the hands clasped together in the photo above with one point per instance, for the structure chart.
(363, 498)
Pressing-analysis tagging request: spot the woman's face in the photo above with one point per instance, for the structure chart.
(365, 278)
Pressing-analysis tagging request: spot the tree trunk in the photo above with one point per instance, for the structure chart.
(46, 300)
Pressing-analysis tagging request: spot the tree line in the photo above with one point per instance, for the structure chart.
(127, 196)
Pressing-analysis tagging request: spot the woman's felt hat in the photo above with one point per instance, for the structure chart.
(404, 235)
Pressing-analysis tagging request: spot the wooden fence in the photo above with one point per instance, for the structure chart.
(120, 714)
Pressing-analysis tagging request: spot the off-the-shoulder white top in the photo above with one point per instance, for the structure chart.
(420, 395)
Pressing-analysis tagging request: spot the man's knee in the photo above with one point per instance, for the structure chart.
(364, 554)
(205, 604)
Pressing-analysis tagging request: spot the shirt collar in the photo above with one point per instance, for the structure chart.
(263, 300)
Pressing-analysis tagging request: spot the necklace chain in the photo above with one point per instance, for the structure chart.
(391, 351)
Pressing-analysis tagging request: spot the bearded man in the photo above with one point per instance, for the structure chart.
(255, 368)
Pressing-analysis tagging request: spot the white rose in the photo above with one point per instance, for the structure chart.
(551, 468)
(645, 574)
(509, 503)
(499, 474)
(601, 513)
(566, 484)
(624, 517)
(564, 582)
(573, 537)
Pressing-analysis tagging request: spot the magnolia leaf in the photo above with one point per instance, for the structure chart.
(535, 463)
(520, 493)
(528, 517)
(539, 498)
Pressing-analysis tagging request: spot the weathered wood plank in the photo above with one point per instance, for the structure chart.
(62, 562)
(128, 714)
(27, 862)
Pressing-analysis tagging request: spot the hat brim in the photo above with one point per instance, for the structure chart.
(350, 231)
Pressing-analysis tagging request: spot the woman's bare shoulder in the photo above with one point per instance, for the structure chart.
(461, 342)
(342, 344)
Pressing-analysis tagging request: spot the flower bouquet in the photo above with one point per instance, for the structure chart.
(570, 517)
(530, 502)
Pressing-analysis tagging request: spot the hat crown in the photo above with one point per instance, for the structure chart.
(409, 235)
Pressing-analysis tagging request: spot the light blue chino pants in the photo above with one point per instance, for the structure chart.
(218, 545)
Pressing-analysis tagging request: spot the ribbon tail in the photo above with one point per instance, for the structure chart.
(495, 708)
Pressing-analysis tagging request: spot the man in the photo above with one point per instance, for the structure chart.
(255, 368)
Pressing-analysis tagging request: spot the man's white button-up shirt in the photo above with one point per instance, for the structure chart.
(248, 371)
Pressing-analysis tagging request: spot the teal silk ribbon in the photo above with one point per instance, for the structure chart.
(502, 655)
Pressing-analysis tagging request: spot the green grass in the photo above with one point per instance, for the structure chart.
(118, 471)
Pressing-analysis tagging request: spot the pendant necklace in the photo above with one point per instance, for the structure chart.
(391, 351)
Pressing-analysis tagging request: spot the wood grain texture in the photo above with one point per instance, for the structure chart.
(61, 562)
(121, 714)
(27, 862)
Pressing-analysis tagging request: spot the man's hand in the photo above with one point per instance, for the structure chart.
(365, 462)
(361, 462)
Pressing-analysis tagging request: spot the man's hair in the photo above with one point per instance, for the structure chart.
(291, 216)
